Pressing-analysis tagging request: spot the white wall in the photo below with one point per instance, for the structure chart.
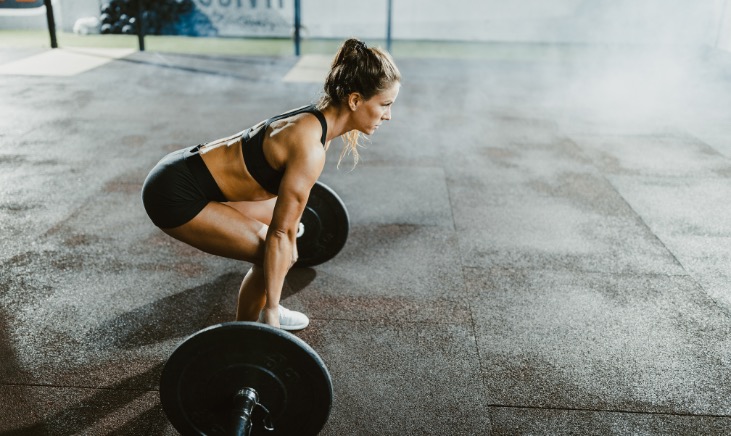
(613, 21)
(29, 18)
(723, 34)
(583, 21)
(72, 10)
(677, 22)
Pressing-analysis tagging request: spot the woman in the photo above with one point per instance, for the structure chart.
(242, 196)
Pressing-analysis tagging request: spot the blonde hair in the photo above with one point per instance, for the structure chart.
(357, 68)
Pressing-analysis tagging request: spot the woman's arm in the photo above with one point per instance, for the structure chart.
(302, 171)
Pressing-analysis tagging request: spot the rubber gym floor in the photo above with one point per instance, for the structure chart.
(539, 244)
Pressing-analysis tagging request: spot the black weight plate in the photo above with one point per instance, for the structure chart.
(326, 226)
(203, 374)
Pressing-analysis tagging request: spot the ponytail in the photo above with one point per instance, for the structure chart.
(357, 68)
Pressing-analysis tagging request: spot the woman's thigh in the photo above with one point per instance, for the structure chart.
(223, 230)
(261, 211)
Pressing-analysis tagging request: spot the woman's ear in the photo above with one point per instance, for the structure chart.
(354, 99)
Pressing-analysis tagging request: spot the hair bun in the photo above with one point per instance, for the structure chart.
(356, 46)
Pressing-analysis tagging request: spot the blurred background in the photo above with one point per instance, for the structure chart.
(611, 60)
(442, 28)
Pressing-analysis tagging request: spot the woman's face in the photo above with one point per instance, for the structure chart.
(369, 114)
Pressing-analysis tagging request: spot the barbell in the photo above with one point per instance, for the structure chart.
(245, 378)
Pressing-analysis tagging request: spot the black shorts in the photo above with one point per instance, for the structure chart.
(178, 188)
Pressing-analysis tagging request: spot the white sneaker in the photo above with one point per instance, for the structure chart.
(289, 319)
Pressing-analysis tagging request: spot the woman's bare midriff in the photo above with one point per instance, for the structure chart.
(225, 161)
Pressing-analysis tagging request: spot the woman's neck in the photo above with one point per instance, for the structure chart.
(338, 121)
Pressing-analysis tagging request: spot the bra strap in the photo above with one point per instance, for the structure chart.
(323, 123)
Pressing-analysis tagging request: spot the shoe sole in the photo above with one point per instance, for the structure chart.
(294, 327)
(288, 328)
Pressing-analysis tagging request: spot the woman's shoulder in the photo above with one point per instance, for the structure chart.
(301, 127)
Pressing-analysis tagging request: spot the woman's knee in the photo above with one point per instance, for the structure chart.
(261, 246)
(219, 230)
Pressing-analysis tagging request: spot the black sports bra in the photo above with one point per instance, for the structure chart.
(252, 147)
